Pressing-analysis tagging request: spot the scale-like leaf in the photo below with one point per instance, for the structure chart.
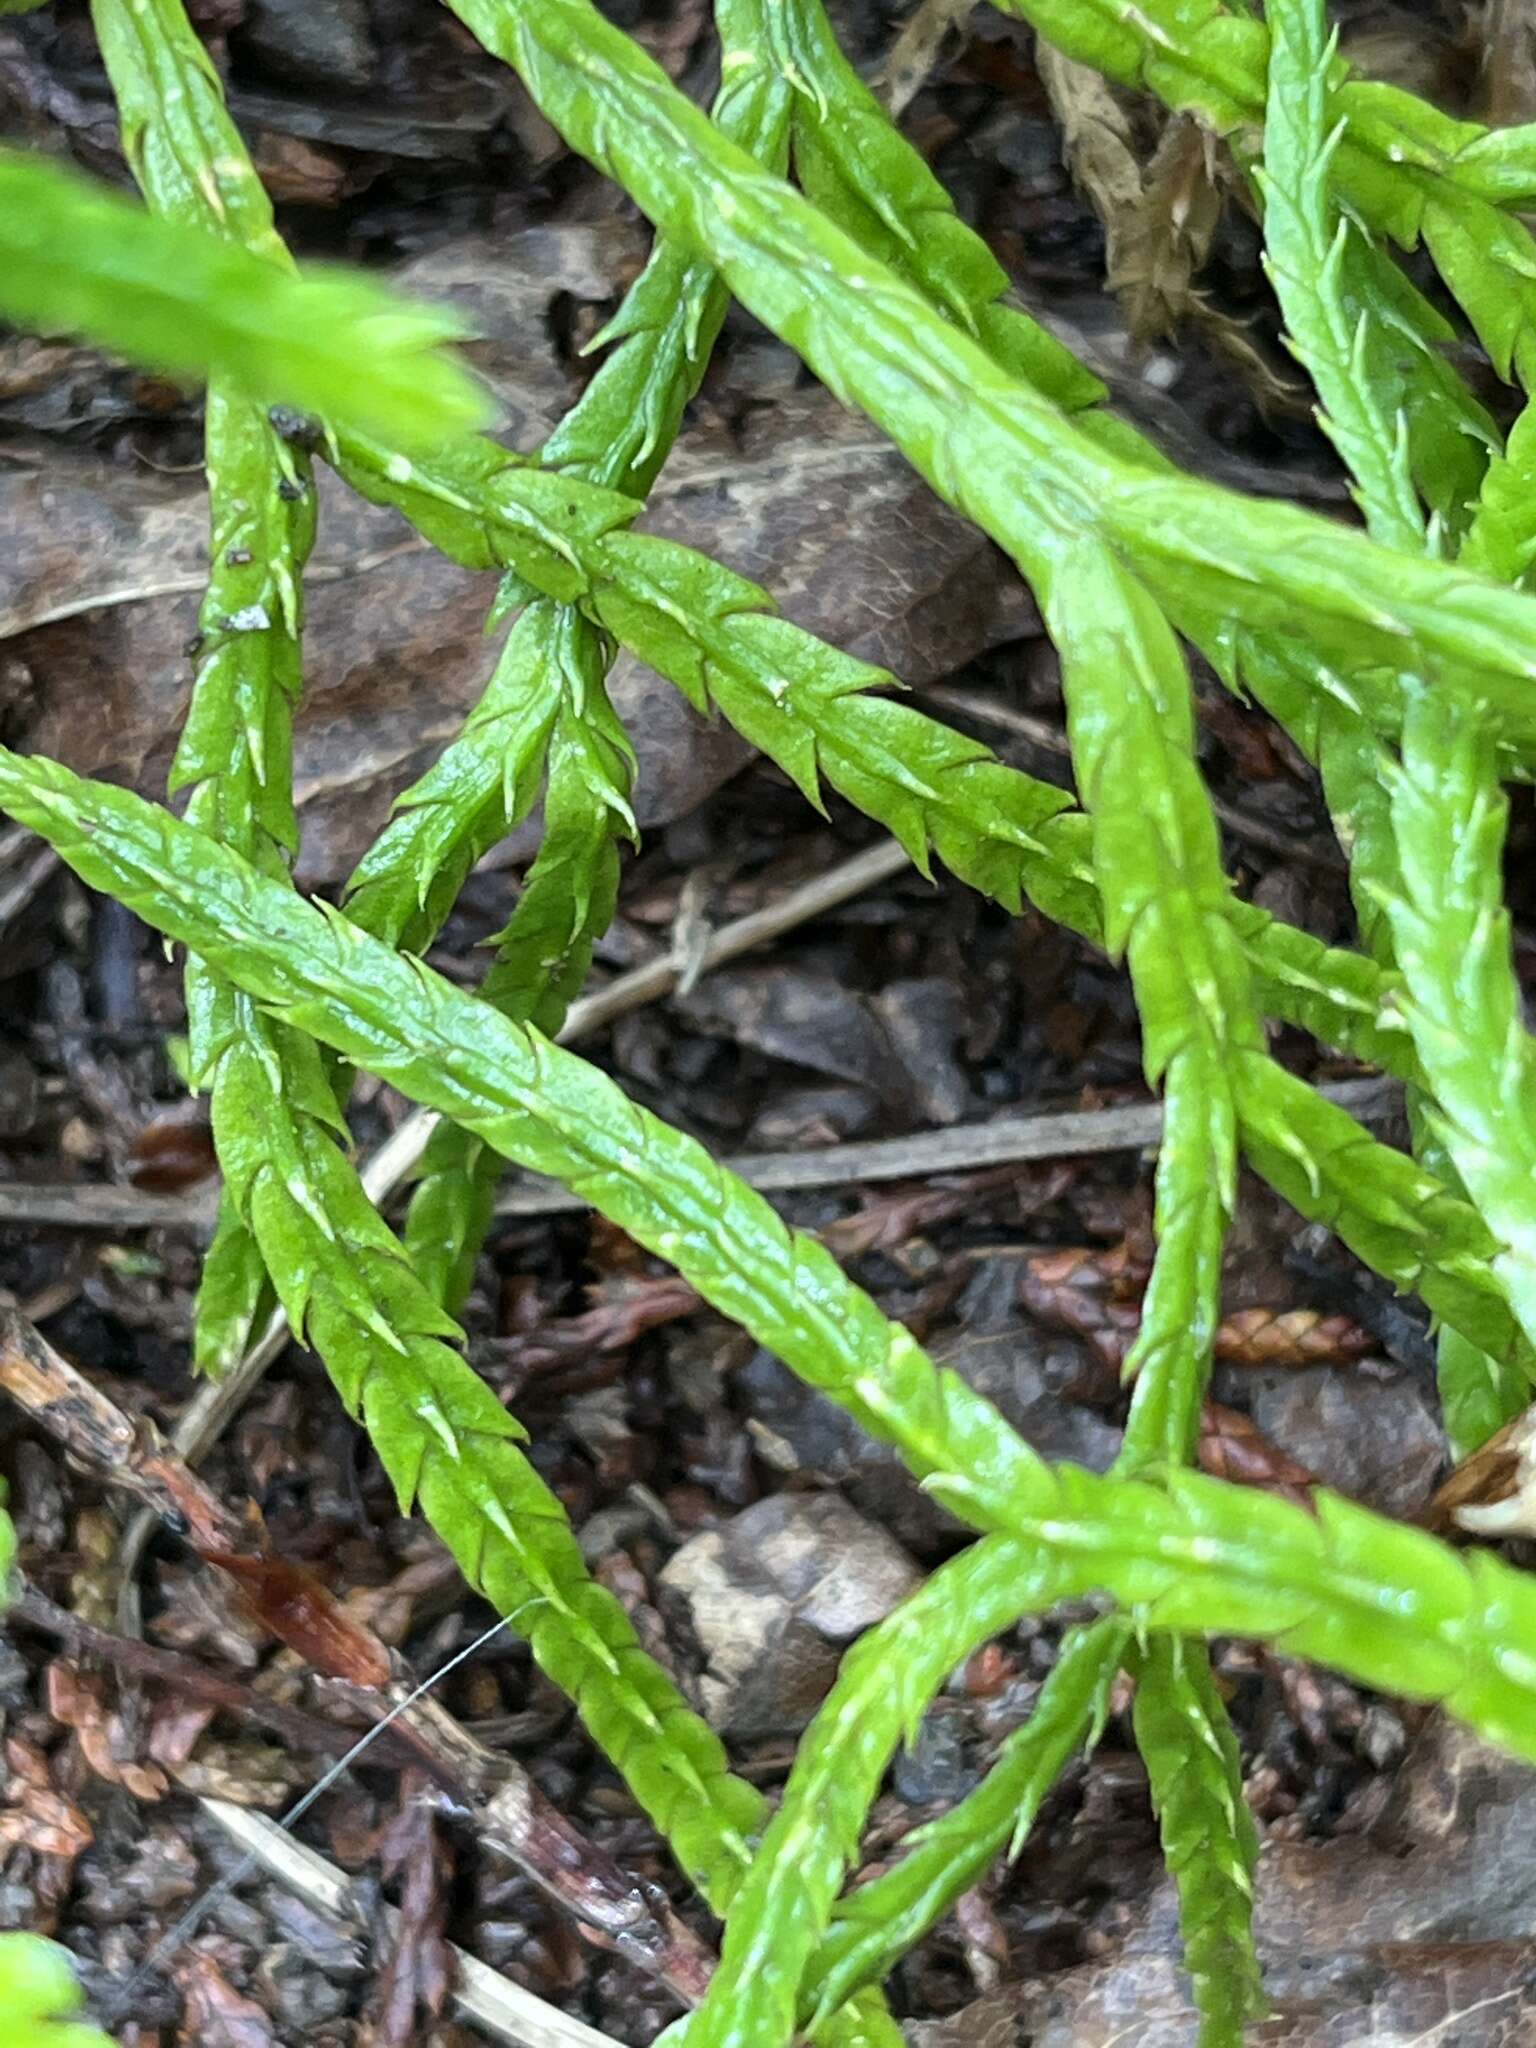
(876, 1924)
(1464, 1005)
(1165, 901)
(294, 1205)
(614, 438)
(485, 782)
(235, 754)
(1451, 435)
(1384, 1603)
(567, 900)
(806, 705)
(883, 1687)
(1306, 244)
(184, 302)
(1501, 540)
(1311, 253)
(444, 1438)
(1387, 1208)
(39, 1995)
(1209, 1840)
(622, 428)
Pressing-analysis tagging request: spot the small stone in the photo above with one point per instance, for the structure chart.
(772, 1598)
(1373, 1436)
(328, 45)
(936, 1769)
(925, 1020)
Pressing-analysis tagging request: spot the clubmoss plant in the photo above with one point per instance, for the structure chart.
(39, 1996)
(1400, 658)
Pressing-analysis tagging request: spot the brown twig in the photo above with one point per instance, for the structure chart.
(963, 1148)
(185, 1676)
(915, 51)
(17, 890)
(96, 1205)
(483, 1996)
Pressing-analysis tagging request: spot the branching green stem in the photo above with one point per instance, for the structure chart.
(874, 1926)
(988, 443)
(294, 1206)
(1306, 243)
(1308, 247)
(1382, 1602)
(559, 715)
(1165, 905)
(811, 709)
(883, 1688)
(236, 749)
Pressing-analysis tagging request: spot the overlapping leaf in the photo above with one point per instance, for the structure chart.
(1210, 1843)
(985, 440)
(185, 302)
(1382, 1602)
(39, 1996)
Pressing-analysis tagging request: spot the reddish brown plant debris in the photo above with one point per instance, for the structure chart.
(301, 1612)
(1233, 1447)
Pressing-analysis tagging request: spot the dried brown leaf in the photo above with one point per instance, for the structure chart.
(629, 1308)
(915, 52)
(1164, 245)
(109, 1740)
(1493, 1492)
(1093, 1293)
(216, 2015)
(891, 1218)
(173, 1151)
(35, 1815)
(1096, 1294)
(1100, 148)
(297, 1608)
